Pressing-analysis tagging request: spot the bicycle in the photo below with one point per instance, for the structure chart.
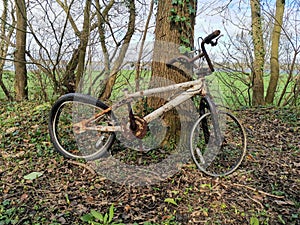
(217, 140)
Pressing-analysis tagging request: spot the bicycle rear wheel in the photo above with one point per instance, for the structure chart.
(218, 157)
(87, 144)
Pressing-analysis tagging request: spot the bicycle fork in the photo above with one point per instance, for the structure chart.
(208, 104)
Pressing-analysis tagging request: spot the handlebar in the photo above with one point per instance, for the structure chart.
(207, 40)
(213, 35)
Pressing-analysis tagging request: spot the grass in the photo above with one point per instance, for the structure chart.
(234, 94)
(35, 90)
(234, 91)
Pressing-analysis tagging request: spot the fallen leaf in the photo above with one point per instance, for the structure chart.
(24, 197)
(11, 130)
(33, 175)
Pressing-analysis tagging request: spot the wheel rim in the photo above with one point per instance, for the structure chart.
(220, 160)
(87, 145)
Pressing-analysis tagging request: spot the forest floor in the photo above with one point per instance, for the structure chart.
(264, 190)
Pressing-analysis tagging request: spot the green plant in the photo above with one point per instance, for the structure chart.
(171, 201)
(96, 218)
(181, 17)
(254, 221)
(8, 215)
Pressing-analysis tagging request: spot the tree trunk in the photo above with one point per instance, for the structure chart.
(101, 22)
(84, 39)
(278, 20)
(174, 28)
(70, 77)
(4, 43)
(139, 60)
(20, 61)
(101, 16)
(170, 34)
(113, 75)
(259, 54)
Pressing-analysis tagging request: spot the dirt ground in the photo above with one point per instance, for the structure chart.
(264, 190)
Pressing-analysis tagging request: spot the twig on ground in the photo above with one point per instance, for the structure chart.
(259, 191)
(256, 201)
(84, 166)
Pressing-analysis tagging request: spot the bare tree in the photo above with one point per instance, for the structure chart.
(71, 29)
(274, 61)
(272, 53)
(76, 65)
(259, 53)
(144, 37)
(6, 33)
(21, 87)
(130, 31)
(84, 39)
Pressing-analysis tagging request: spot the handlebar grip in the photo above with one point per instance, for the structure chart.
(210, 37)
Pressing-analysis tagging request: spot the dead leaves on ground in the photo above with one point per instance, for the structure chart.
(265, 188)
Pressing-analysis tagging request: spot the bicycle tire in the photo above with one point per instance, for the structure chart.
(218, 159)
(70, 109)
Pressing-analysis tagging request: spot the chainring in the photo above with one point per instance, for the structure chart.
(140, 131)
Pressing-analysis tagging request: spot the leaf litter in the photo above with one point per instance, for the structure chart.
(264, 189)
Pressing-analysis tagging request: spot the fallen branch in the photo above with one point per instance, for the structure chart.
(256, 201)
(259, 191)
(92, 171)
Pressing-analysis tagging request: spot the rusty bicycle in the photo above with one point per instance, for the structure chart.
(217, 139)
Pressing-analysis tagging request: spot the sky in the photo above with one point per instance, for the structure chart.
(216, 14)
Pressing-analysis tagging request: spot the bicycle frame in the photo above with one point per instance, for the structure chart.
(195, 87)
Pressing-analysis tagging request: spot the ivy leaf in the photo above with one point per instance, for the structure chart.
(173, 11)
(191, 9)
(185, 40)
(183, 18)
(177, 18)
(183, 49)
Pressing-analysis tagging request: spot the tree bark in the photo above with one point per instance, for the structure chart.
(174, 28)
(259, 54)
(278, 20)
(168, 37)
(84, 39)
(113, 74)
(101, 16)
(21, 88)
(4, 43)
(70, 77)
(139, 60)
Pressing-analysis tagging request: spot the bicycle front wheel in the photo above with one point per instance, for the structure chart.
(218, 157)
(88, 144)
